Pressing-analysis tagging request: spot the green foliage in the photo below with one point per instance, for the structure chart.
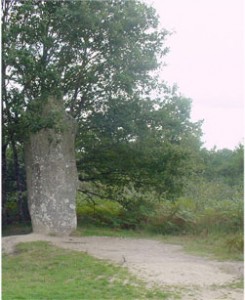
(137, 207)
(98, 212)
(136, 210)
(224, 165)
(186, 215)
(110, 54)
(236, 243)
(95, 230)
(218, 205)
(93, 55)
(204, 191)
(10, 178)
(40, 271)
(135, 148)
(147, 144)
(16, 229)
(12, 209)
(214, 245)
(173, 217)
(11, 206)
(103, 72)
(224, 216)
(209, 217)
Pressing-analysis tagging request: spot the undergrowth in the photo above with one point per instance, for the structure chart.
(202, 223)
(214, 226)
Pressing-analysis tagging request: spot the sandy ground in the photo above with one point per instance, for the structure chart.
(165, 265)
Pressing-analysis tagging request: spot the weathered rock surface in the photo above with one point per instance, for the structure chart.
(52, 175)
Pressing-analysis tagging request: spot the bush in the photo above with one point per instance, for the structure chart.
(11, 213)
(138, 210)
(131, 210)
(205, 193)
(173, 217)
(138, 207)
(222, 216)
(236, 243)
(187, 216)
(98, 212)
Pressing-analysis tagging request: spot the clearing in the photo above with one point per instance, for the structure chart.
(157, 263)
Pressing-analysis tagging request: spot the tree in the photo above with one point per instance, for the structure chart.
(108, 55)
(224, 165)
(150, 144)
(106, 60)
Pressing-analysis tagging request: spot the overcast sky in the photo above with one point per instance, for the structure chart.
(206, 61)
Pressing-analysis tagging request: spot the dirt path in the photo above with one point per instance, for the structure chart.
(195, 278)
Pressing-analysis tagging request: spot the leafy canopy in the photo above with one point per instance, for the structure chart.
(101, 58)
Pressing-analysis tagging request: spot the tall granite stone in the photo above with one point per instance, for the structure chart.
(52, 175)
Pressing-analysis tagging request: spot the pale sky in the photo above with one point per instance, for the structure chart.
(206, 60)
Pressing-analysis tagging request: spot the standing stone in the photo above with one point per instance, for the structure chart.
(52, 175)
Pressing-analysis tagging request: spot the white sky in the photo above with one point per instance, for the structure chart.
(206, 60)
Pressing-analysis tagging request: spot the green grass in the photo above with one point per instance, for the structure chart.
(213, 245)
(39, 271)
(238, 284)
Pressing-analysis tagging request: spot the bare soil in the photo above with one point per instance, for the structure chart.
(157, 263)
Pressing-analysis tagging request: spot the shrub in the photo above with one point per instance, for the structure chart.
(173, 217)
(138, 207)
(187, 216)
(98, 212)
(236, 243)
(131, 210)
(138, 210)
(11, 212)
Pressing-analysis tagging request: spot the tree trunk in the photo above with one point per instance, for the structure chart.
(18, 181)
(52, 175)
(4, 178)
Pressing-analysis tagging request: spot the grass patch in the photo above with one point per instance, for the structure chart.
(40, 271)
(238, 284)
(213, 245)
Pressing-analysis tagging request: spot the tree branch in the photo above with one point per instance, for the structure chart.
(91, 193)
